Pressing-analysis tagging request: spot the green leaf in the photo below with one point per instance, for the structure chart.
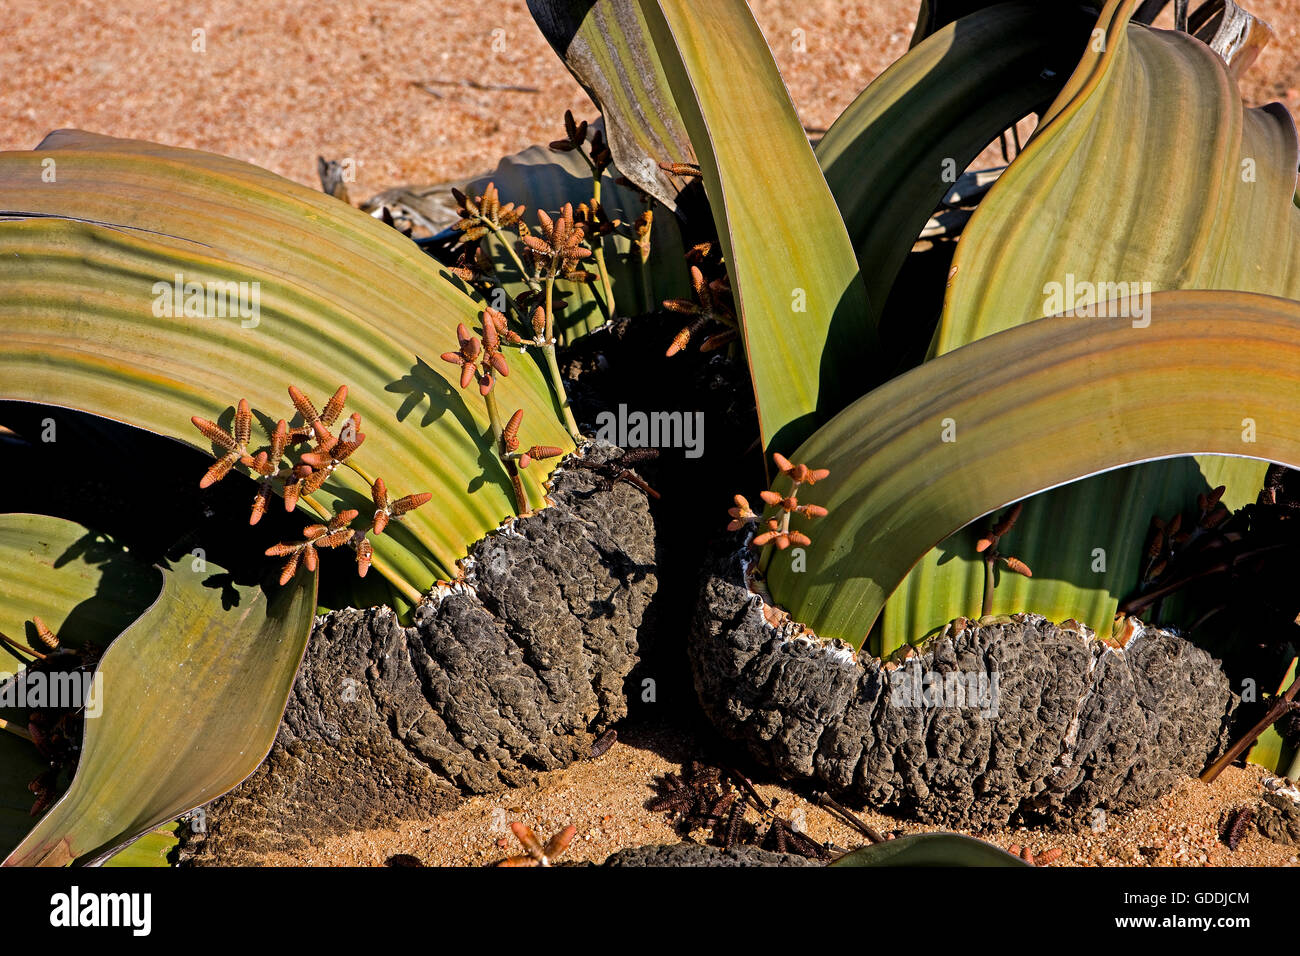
(1084, 542)
(1069, 399)
(1146, 169)
(192, 694)
(542, 178)
(607, 47)
(934, 15)
(86, 588)
(85, 258)
(891, 156)
(930, 849)
(793, 272)
(150, 850)
(1270, 750)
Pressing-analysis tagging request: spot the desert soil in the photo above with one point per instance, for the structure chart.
(279, 83)
(605, 799)
(398, 86)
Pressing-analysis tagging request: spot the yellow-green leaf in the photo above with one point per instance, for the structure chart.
(190, 697)
(93, 234)
(890, 157)
(938, 447)
(793, 272)
(1145, 174)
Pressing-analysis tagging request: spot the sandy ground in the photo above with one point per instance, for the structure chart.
(296, 79)
(280, 82)
(605, 800)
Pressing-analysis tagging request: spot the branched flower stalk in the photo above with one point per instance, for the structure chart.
(778, 533)
(298, 481)
(550, 256)
(482, 362)
(557, 254)
(710, 305)
(598, 159)
(484, 214)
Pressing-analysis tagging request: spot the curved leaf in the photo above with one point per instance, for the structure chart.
(934, 15)
(151, 849)
(192, 694)
(85, 258)
(82, 584)
(793, 273)
(930, 849)
(85, 588)
(607, 47)
(1063, 399)
(1146, 169)
(891, 156)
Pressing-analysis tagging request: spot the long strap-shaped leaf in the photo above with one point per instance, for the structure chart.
(607, 47)
(86, 589)
(192, 694)
(1146, 169)
(97, 222)
(81, 584)
(890, 157)
(792, 267)
(1059, 399)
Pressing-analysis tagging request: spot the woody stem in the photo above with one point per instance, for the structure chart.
(987, 607)
(1277, 708)
(498, 433)
(17, 730)
(20, 648)
(553, 366)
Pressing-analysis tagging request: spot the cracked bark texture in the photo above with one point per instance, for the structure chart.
(490, 686)
(1078, 725)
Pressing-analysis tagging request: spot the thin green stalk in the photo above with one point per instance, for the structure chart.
(360, 472)
(605, 310)
(553, 366)
(601, 270)
(494, 417)
(514, 256)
